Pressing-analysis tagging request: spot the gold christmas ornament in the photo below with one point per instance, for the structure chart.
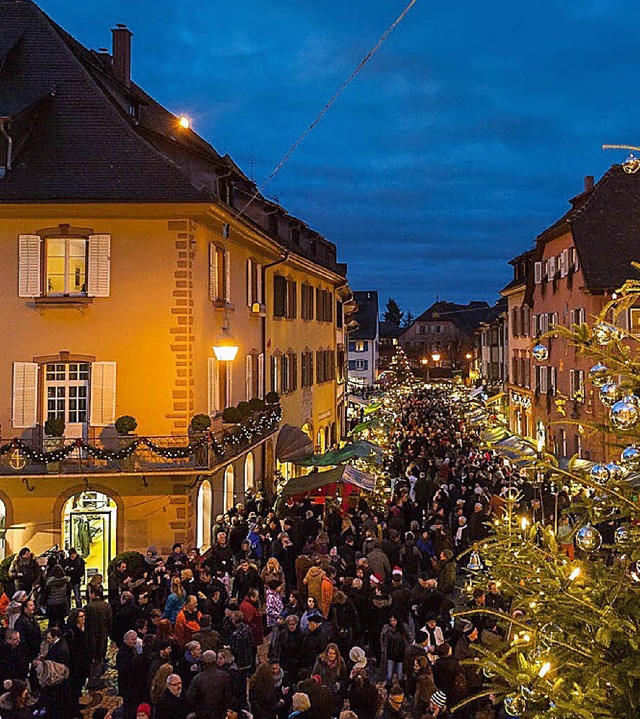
(540, 352)
(624, 414)
(514, 705)
(598, 374)
(588, 539)
(606, 333)
(610, 393)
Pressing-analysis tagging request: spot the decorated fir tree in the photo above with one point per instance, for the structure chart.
(570, 645)
(400, 368)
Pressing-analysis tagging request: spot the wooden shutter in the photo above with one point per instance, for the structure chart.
(551, 267)
(29, 266)
(99, 270)
(249, 273)
(212, 385)
(25, 395)
(249, 376)
(103, 394)
(261, 375)
(279, 295)
(259, 297)
(227, 276)
(213, 271)
(564, 263)
(537, 272)
(229, 386)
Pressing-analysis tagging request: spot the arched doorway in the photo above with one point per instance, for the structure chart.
(89, 523)
(249, 473)
(228, 488)
(203, 515)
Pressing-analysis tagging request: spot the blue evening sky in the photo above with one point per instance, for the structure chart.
(458, 143)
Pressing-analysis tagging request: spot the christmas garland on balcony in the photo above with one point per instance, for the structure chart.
(249, 431)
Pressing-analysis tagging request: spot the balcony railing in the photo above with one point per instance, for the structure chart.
(135, 455)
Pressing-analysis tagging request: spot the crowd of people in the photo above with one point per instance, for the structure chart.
(318, 612)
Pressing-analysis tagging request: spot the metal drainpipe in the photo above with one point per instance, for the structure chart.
(4, 121)
(264, 344)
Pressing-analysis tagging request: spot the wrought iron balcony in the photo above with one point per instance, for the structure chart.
(135, 455)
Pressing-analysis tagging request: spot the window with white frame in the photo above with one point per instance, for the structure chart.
(362, 365)
(254, 283)
(67, 392)
(219, 385)
(577, 316)
(219, 273)
(64, 266)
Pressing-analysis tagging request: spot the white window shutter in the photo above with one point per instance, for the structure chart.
(213, 272)
(259, 283)
(103, 394)
(564, 263)
(229, 388)
(99, 270)
(212, 385)
(537, 272)
(25, 395)
(551, 268)
(249, 284)
(29, 266)
(249, 376)
(227, 276)
(261, 375)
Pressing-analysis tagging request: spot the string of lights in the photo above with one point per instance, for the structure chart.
(249, 431)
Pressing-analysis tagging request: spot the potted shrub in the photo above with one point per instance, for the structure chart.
(200, 423)
(231, 415)
(256, 404)
(272, 398)
(54, 430)
(125, 426)
(245, 410)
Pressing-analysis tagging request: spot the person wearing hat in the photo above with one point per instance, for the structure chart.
(177, 560)
(363, 695)
(143, 711)
(315, 640)
(358, 657)
(433, 633)
(210, 691)
(438, 705)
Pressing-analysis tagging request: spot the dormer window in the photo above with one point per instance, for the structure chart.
(225, 191)
(134, 109)
(272, 223)
(313, 247)
(295, 234)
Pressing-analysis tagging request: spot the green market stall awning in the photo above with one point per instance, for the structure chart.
(293, 444)
(371, 423)
(315, 480)
(339, 456)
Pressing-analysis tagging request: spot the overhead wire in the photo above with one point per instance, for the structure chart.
(329, 104)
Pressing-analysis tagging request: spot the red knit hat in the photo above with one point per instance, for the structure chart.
(144, 709)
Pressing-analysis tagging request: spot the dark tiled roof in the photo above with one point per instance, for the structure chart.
(465, 317)
(390, 331)
(605, 231)
(499, 308)
(366, 315)
(76, 139)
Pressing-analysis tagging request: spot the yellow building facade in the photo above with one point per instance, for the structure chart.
(115, 291)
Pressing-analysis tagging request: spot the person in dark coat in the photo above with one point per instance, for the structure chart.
(262, 693)
(210, 692)
(124, 617)
(131, 685)
(24, 570)
(29, 629)
(74, 568)
(98, 627)
(14, 657)
(315, 640)
(173, 704)
(80, 656)
(177, 560)
(291, 646)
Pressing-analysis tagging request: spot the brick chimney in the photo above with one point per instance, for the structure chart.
(588, 183)
(122, 53)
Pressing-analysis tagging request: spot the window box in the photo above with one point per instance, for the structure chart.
(78, 302)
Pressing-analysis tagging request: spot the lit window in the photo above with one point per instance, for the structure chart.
(66, 265)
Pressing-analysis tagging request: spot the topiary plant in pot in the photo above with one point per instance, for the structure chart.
(257, 404)
(54, 427)
(54, 430)
(272, 397)
(231, 415)
(200, 423)
(126, 425)
(245, 410)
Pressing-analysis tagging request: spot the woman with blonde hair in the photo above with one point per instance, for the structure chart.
(175, 600)
(273, 572)
(332, 670)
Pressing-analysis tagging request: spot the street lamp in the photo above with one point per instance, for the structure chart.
(435, 357)
(225, 348)
(468, 355)
(424, 361)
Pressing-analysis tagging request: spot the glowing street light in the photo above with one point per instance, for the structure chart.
(184, 122)
(435, 357)
(225, 347)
